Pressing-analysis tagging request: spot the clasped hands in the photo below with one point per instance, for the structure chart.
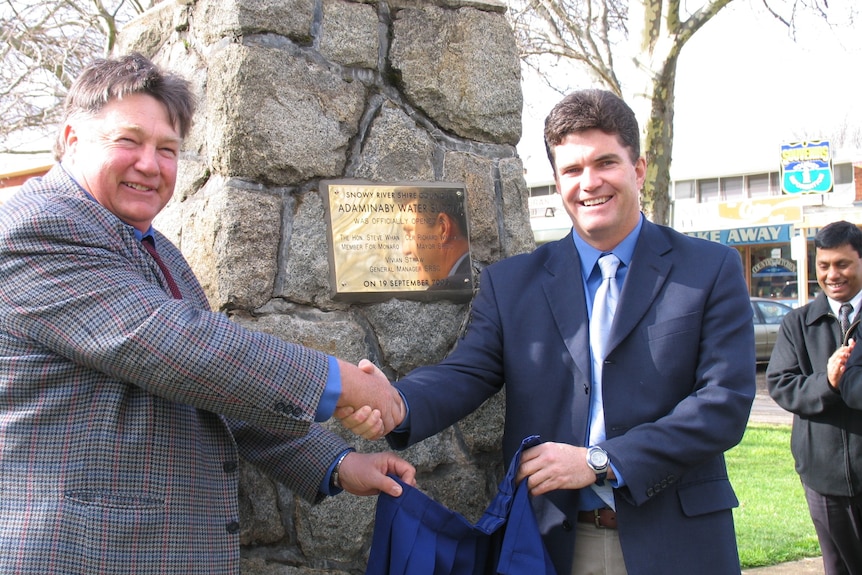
(837, 363)
(369, 405)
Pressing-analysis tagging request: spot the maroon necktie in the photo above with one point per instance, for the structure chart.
(150, 246)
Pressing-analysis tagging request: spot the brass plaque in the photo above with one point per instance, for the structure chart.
(406, 240)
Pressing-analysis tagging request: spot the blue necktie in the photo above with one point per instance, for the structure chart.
(601, 319)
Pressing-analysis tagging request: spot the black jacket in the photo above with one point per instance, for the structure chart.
(826, 441)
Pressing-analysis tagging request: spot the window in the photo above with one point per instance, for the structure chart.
(758, 185)
(843, 173)
(732, 188)
(774, 184)
(542, 190)
(773, 312)
(707, 190)
(741, 187)
(683, 190)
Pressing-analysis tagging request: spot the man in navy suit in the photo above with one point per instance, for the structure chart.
(631, 476)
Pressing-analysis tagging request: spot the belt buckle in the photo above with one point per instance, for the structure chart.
(598, 519)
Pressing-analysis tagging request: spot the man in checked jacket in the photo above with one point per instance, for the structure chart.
(125, 403)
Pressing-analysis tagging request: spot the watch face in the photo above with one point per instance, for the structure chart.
(598, 458)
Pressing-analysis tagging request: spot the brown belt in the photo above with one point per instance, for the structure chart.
(601, 518)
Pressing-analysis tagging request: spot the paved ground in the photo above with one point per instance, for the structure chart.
(812, 566)
(765, 410)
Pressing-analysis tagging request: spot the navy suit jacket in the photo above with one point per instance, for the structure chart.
(678, 385)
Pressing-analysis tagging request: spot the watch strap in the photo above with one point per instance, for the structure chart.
(335, 477)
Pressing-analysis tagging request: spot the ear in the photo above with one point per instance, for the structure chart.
(70, 138)
(640, 172)
(444, 223)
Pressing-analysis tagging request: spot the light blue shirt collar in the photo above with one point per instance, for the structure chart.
(590, 255)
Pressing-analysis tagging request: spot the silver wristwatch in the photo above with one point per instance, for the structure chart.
(335, 479)
(597, 459)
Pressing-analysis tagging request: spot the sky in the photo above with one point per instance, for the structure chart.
(744, 87)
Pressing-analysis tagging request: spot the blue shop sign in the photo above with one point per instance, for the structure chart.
(806, 167)
(748, 236)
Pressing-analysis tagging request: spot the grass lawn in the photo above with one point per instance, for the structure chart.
(772, 521)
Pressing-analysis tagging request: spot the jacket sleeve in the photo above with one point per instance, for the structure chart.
(300, 463)
(472, 373)
(796, 380)
(83, 294)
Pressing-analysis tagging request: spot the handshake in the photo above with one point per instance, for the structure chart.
(369, 405)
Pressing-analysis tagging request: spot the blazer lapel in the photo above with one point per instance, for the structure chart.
(564, 290)
(644, 280)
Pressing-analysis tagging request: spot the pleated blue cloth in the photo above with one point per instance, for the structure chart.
(415, 535)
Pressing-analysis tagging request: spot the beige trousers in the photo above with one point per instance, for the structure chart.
(597, 551)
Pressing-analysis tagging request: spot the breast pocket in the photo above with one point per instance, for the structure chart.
(674, 344)
(108, 526)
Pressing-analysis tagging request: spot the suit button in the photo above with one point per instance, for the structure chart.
(650, 492)
(229, 466)
(567, 525)
(280, 407)
(232, 527)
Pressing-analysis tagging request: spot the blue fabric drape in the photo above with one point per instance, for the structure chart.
(415, 535)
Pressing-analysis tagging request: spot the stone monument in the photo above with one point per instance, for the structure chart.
(295, 92)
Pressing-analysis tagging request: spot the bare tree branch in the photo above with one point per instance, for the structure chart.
(581, 31)
(45, 44)
(787, 11)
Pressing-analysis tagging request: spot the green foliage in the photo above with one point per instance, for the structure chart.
(772, 521)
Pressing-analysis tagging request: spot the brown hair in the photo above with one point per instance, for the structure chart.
(592, 109)
(104, 80)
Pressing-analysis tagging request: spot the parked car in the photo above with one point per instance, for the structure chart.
(768, 314)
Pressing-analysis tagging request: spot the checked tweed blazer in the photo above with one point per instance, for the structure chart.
(123, 412)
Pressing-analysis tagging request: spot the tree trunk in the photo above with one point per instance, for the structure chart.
(658, 146)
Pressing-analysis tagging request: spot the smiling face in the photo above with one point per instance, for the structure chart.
(600, 186)
(839, 272)
(125, 157)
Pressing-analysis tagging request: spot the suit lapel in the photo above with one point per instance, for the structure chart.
(644, 280)
(564, 290)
